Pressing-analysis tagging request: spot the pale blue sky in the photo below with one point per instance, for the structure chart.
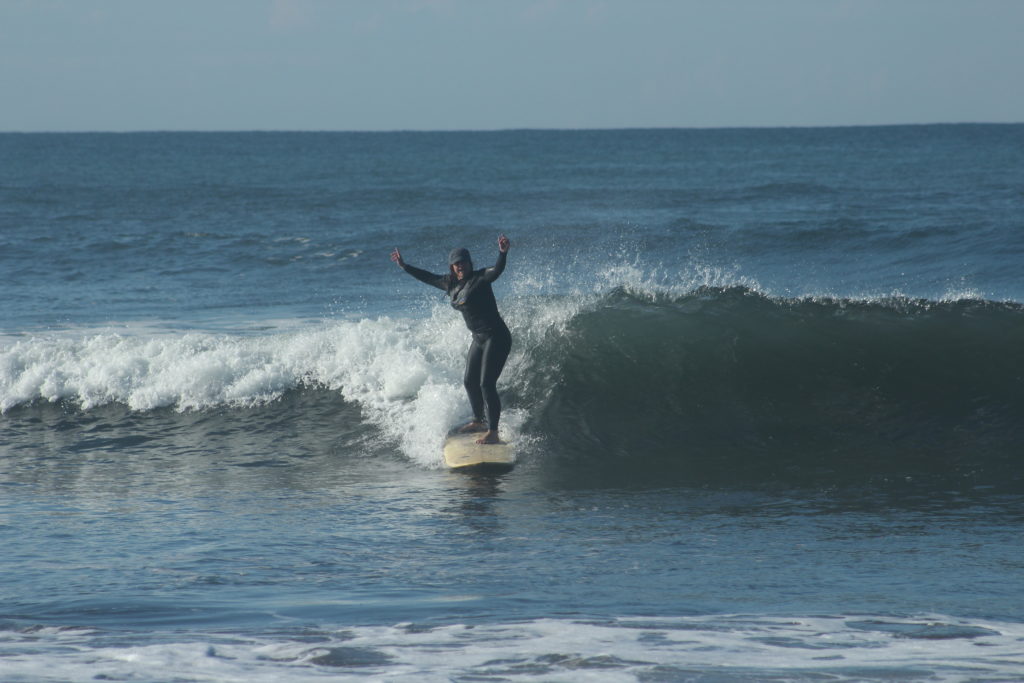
(124, 65)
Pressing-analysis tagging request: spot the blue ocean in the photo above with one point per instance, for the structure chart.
(766, 400)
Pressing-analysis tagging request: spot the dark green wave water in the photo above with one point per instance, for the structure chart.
(729, 385)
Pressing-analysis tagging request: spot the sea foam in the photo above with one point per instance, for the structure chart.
(405, 374)
(733, 647)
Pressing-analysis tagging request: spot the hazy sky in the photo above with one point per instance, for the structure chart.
(483, 64)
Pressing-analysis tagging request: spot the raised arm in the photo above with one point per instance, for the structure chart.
(418, 273)
(491, 274)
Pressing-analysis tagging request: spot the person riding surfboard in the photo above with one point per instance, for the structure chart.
(471, 294)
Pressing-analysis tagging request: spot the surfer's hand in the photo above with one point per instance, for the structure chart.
(396, 256)
(504, 244)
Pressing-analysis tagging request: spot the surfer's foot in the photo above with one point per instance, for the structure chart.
(490, 437)
(474, 426)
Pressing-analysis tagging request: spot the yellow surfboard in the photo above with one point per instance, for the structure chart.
(461, 451)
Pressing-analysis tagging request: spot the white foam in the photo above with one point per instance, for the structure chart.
(404, 373)
(746, 647)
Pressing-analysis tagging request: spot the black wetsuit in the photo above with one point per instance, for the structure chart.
(492, 342)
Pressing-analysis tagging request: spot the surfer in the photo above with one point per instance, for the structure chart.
(471, 294)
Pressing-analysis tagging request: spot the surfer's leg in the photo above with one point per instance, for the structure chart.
(495, 353)
(474, 363)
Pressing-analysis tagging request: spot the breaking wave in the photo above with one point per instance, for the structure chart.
(715, 383)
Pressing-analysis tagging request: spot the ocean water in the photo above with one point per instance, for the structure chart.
(766, 396)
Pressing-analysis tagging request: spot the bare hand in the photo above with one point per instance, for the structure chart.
(396, 256)
(504, 244)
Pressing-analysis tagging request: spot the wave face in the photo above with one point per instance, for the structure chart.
(727, 384)
(712, 385)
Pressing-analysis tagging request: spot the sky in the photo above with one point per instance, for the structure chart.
(212, 65)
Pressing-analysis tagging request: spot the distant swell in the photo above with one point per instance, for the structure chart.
(727, 384)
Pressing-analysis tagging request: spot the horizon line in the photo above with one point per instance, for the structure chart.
(554, 129)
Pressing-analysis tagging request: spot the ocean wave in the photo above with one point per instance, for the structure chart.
(709, 381)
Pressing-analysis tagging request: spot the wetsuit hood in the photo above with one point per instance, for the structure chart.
(458, 256)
